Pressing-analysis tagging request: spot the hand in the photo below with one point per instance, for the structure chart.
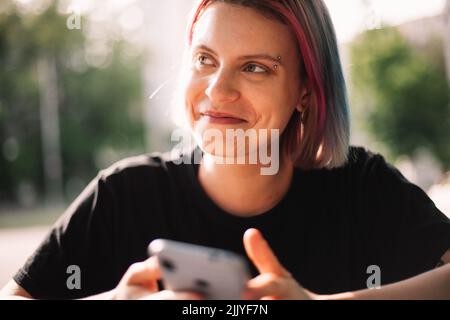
(140, 283)
(274, 281)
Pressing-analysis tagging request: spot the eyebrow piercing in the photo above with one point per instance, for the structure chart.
(276, 66)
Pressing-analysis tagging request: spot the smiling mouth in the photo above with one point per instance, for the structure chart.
(222, 118)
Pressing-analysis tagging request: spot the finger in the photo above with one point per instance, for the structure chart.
(171, 295)
(144, 273)
(267, 285)
(270, 298)
(261, 255)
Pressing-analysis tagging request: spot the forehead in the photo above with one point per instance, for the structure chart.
(235, 28)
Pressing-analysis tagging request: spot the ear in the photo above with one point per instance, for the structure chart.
(304, 100)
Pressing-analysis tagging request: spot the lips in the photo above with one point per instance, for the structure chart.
(221, 115)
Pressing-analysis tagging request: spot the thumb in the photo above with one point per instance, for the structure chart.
(144, 273)
(261, 255)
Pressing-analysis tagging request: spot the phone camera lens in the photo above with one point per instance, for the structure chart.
(215, 255)
(201, 284)
(168, 265)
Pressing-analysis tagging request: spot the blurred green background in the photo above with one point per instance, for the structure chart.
(401, 94)
(76, 77)
(64, 112)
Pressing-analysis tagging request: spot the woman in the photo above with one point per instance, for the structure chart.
(329, 212)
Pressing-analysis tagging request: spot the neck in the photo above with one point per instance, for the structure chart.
(241, 189)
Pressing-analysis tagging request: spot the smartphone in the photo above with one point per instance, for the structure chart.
(216, 274)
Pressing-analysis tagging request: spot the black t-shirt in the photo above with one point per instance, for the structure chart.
(327, 230)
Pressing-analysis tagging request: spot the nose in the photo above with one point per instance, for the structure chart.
(221, 88)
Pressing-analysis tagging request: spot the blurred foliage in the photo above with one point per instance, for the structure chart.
(402, 93)
(99, 107)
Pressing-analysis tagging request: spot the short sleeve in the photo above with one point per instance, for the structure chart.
(74, 260)
(408, 233)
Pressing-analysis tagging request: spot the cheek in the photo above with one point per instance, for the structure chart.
(192, 93)
(274, 108)
(194, 97)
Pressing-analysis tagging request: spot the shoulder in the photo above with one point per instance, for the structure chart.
(155, 179)
(150, 166)
(362, 158)
(362, 166)
(383, 182)
(131, 184)
(369, 174)
(371, 166)
(155, 161)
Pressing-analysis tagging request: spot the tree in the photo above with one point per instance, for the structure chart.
(99, 107)
(402, 92)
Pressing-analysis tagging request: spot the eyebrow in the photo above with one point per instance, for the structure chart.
(246, 57)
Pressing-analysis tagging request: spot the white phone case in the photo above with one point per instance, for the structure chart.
(215, 273)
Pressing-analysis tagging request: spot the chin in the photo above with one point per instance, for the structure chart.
(231, 152)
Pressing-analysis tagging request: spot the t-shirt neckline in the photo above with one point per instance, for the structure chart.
(211, 208)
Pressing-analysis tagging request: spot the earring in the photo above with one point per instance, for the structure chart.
(302, 117)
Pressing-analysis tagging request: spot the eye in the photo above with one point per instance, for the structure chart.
(203, 60)
(254, 68)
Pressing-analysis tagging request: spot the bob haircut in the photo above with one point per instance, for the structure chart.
(319, 137)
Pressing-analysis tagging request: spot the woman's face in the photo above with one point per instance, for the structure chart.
(244, 71)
